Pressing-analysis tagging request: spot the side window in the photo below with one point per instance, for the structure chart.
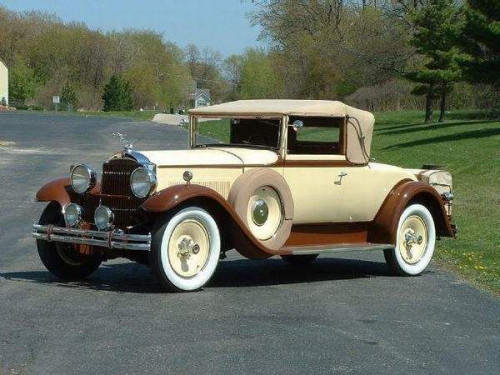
(316, 135)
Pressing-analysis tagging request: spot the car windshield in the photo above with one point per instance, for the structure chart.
(254, 132)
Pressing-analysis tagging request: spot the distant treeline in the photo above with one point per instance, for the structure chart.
(375, 54)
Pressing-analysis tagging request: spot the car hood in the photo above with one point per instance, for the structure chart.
(212, 156)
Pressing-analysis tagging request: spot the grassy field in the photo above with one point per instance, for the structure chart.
(468, 145)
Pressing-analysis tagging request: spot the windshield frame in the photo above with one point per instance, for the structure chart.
(194, 131)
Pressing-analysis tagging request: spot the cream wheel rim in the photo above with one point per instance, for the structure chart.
(188, 248)
(413, 239)
(264, 213)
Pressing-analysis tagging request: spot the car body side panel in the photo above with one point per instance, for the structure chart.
(56, 190)
(340, 192)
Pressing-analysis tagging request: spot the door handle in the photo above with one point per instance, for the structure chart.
(341, 175)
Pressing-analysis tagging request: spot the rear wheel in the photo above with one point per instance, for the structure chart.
(416, 238)
(185, 249)
(63, 259)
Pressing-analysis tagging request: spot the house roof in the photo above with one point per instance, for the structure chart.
(199, 92)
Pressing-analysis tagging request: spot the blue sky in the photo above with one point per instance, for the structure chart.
(217, 24)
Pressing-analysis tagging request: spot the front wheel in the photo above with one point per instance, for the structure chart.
(416, 238)
(185, 249)
(63, 259)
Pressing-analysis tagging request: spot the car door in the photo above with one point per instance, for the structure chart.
(320, 178)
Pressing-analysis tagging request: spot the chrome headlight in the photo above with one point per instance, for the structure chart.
(83, 178)
(103, 217)
(73, 214)
(142, 182)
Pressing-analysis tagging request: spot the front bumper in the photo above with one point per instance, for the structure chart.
(112, 240)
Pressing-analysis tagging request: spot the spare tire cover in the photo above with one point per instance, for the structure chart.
(270, 186)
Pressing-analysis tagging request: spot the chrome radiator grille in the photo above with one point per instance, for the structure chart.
(115, 193)
(122, 207)
(116, 176)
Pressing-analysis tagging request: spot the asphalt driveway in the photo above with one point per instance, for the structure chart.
(344, 314)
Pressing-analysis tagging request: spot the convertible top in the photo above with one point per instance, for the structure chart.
(359, 129)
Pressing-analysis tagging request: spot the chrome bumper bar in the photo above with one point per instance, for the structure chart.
(111, 240)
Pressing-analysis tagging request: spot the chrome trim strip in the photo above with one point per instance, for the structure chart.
(343, 248)
(111, 240)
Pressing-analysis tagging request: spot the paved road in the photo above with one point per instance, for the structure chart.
(344, 314)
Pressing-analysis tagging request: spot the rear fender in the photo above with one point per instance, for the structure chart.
(385, 224)
(180, 195)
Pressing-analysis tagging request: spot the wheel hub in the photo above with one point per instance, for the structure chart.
(187, 246)
(260, 212)
(412, 239)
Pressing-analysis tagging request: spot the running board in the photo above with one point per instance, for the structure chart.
(340, 248)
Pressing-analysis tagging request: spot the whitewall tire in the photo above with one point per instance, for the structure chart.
(415, 242)
(185, 249)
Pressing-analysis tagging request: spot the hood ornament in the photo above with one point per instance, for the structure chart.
(126, 144)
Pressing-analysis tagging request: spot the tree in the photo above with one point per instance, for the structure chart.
(481, 41)
(118, 95)
(258, 78)
(437, 26)
(330, 48)
(69, 97)
(205, 67)
(22, 83)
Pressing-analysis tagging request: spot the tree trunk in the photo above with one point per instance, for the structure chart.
(428, 104)
(442, 106)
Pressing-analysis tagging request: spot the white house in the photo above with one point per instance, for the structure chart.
(4, 83)
(200, 98)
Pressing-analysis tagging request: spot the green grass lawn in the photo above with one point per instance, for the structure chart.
(468, 145)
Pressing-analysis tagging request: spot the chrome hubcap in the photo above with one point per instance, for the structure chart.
(187, 247)
(413, 239)
(260, 212)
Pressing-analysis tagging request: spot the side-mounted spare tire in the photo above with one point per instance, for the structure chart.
(263, 201)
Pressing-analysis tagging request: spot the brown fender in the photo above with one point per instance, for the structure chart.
(60, 191)
(385, 224)
(172, 197)
(56, 190)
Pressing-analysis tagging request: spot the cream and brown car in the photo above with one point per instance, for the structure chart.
(294, 179)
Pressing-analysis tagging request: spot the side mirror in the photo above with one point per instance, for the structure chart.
(297, 124)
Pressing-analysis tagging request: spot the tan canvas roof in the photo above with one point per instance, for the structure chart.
(359, 129)
(276, 106)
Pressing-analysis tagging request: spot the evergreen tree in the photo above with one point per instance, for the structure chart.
(118, 95)
(437, 26)
(481, 41)
(69, 98)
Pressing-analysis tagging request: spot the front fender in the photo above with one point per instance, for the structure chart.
(56, 190)
(385, 224)
(174, 196)
(60, 191)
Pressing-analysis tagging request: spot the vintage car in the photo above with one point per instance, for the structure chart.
(295, 179)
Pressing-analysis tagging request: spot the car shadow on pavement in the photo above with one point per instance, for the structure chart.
(136, 278)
